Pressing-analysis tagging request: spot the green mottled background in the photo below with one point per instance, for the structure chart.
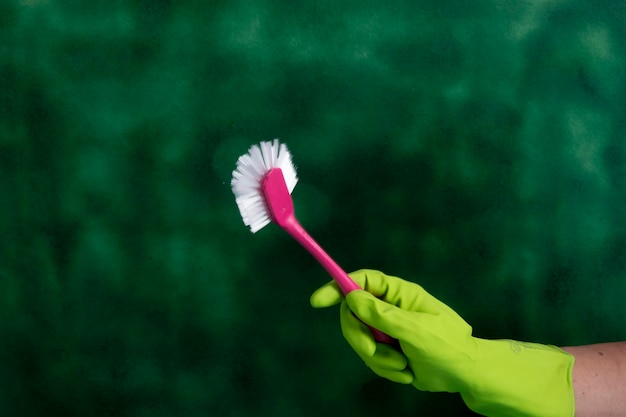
(475, 147)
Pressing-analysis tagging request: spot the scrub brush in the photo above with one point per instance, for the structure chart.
(262, 183)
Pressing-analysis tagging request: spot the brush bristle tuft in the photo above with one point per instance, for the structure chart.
(247, 177)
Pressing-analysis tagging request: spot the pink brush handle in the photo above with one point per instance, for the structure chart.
(280, 206)
(343, 280)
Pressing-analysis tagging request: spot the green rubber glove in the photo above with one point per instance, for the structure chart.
(438, 353)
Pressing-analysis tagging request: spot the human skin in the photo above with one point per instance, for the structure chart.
(599, 379)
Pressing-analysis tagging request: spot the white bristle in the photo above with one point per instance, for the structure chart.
(247, 176)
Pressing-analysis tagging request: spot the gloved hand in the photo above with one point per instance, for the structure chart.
(437, 351)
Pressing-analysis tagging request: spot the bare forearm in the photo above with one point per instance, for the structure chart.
(599, 378)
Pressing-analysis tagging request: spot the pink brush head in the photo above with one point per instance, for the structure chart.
(248, 178)
(277, 198)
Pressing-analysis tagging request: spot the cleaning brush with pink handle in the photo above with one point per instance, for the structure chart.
(262, 183)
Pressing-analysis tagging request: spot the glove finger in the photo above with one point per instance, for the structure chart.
(381, 315)
(404, 294)
(386, 357)
(360, 338)
(402, 377)
(356, 333)
(326, 296)
(381, 285)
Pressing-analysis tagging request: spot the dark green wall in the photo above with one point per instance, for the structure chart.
(475, 147)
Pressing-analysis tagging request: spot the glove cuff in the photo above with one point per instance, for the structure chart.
(520, 379)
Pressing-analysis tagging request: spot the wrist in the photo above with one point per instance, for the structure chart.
(520, 379)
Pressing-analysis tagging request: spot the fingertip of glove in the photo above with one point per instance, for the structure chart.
(325, 296)
(314, 301)
(404, 377)
(319, 301)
